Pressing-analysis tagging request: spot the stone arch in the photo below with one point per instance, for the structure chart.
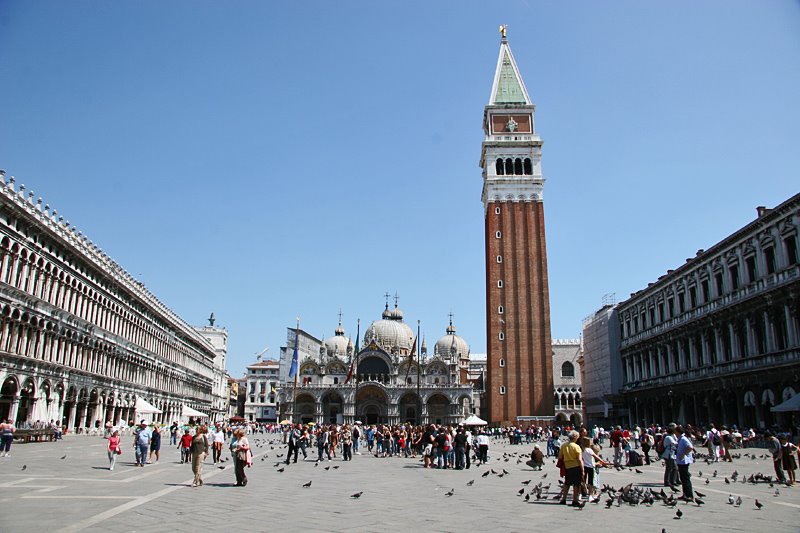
(8, 393)
(305, 408)
(332, 407)
(372, 403)
(408, 407)
(438, 408)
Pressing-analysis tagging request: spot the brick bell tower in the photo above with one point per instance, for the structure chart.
(519, 360)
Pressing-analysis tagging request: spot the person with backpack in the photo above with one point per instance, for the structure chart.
(647, 443)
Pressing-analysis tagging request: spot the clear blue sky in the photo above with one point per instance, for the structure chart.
(265, 160)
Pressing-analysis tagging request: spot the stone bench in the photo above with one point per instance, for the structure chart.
(34, 435)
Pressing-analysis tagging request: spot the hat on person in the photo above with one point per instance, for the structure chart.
(672, 425)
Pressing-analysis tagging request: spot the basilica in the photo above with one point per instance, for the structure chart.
(390, 379)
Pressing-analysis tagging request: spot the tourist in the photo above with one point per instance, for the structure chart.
(173, 433)
(113, 449)
(647, 443)
(199, 449)
(569, 459)
(155, 444)
(6, 437)
(141, 443)
(713, 442)
(241, 456)
(370, 438)
(185, 446)
(789, 463)
(356, 436)
(333, 441)
(460, 446)
(347, 443)
(483, 448)
(669, 446)
(217, 439)
(590, 460)
(774, 447)
(537, 458)
(684, 457)
(616, 439)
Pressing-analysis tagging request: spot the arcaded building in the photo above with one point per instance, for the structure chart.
(519, 373)
(716, 339)
(80, 339)
(567, 392)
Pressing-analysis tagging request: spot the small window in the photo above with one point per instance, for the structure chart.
(750, 263)
(496, 210)
(335, 381)
(499, 283)
(497, 234)
(499, 258)
(791, 249)
(502, 389)
(501, 336)
(567, 370)
(734, 273)
(502, 363)
(500, 310)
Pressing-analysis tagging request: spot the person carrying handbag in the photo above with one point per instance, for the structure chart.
(241, 457)
(114, 449)
(199, 452)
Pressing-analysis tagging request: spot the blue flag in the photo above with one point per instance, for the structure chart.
(293, 368)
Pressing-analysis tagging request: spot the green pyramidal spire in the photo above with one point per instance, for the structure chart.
(508, 87)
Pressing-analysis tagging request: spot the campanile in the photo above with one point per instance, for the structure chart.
(519, 359)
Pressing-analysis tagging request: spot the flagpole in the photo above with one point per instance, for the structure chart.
(355, 372)
(419, 360)
(297, 371)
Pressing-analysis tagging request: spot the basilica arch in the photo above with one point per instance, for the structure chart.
(332, 408)
(408, 408)
(372, 405)
(305, 408)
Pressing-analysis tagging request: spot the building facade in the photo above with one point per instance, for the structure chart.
(519, 369)
(80, 339)
(567, 392)
(391, 381)
(218, 338)
(601, 368)
(716, 339)
(262, 391)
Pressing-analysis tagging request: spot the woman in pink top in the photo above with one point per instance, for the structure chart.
(113, 449)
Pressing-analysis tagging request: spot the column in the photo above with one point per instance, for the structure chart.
(769, 333)
(13, 408)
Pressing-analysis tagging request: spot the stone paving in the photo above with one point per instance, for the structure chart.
(79, 493)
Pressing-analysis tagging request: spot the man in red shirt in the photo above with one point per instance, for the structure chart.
(616, 442)
(185, 446)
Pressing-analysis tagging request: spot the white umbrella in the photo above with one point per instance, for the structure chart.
(143, 407)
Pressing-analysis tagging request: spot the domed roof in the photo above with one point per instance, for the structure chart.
(390, 331)
(451, 344)
(337, 345)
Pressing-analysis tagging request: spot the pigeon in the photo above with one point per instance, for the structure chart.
(500, 475)
(221, 467)
(707, 481)
(638, 471)
(521, 491)
(306, 485)
(450, 492)
(335, 467)
(609, 503)
(544, 476)
(699, 494)
(777, 492)
(504, 472)
(699, 502)
(65, 456)
(281, 469)
(714, 474)
(678, 514)
(759, 505)
(727, 481)
(316, 464)
(527, 497)
(24, 467)
(700, 473)
(738, 501)
(327, 468)
(485, 474)
(357, 495)
(526, 482)
(469, 483)
(730, 499)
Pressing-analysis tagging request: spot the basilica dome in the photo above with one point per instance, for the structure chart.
(451, 344)
(390, 332)
(337, 345)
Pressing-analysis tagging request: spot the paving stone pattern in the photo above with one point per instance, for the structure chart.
(79, 493)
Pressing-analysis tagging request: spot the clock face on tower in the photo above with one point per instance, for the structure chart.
(504, 123)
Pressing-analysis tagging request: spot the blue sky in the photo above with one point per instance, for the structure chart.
(265, 160)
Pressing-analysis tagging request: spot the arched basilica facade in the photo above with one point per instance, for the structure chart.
(390, 383)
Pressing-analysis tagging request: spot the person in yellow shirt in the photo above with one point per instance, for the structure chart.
(570, 456)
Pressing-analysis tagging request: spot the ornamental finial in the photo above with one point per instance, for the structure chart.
(503, 29)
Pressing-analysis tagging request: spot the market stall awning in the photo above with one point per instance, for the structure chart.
(475, 421)
(188, 411)
(792, 404)
(143, 407)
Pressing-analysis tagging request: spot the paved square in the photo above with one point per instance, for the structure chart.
(78, 493)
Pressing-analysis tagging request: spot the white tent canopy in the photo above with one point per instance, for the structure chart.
(475, 421)
(143, 407)
(188, 411)
(792, 404)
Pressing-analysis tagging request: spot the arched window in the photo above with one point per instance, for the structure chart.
(509, 167)
(567, 370)
(499, 170)
(518, 166)
(527, 166)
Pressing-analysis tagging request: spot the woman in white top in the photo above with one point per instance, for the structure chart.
(590, 459)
